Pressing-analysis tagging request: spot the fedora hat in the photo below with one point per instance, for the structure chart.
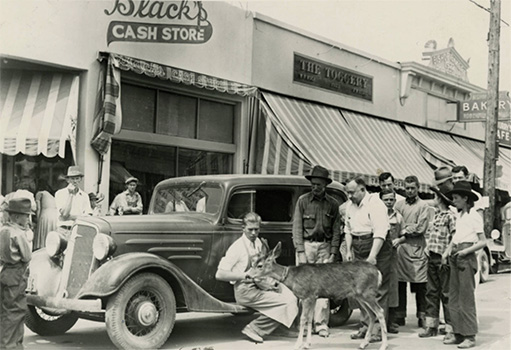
(74, 171)
(319, 172)
(131, 179)
(443, 194)
(463, 188)
(20, 206)
(442, 175)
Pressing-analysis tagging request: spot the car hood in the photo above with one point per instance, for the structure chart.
(146, 223)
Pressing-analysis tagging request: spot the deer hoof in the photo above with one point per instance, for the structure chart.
(364, 345)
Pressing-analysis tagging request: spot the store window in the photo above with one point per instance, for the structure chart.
(154, 163)
(158, 111)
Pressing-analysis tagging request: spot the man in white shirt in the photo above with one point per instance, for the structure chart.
(275, 306)
(71, 201)
(366, 229)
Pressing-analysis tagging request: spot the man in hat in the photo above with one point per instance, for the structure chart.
(443, 179)
(15, 254)
(71, 201)
(128, 202)
(316, 234)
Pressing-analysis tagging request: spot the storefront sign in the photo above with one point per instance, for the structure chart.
(504, 133)
(475, 109)
(328, 76)
(187, 22)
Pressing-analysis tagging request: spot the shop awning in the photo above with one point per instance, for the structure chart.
(319, 134)
(441, 149)
(394, 150)
(38, 112)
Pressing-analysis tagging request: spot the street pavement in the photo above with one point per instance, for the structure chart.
(199, 331)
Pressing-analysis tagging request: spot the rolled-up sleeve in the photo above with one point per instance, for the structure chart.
(298, 226)
(379, 218)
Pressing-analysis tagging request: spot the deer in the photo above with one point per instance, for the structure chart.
(358, 280)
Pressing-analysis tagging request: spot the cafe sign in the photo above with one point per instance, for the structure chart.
(181, 22)
(327, 76)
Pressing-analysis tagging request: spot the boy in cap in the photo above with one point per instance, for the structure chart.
(128, 202)
(71, 201)
(15, 254)
(316, 234)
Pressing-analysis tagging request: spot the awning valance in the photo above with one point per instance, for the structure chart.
(177, 75)
(38, 112)
(301, 132)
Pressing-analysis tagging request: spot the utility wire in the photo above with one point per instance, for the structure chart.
(487, 10)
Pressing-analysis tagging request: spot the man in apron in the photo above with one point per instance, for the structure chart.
(278, 306)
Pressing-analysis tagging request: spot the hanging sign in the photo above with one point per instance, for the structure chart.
(184, 22)
(475, 109)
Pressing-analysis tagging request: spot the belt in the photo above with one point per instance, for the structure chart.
(361, 237)
(314, 239)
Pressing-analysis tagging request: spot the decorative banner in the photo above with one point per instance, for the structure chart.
(187, 22)
(474, 110)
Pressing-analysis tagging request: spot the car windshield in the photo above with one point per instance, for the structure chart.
(199, 197)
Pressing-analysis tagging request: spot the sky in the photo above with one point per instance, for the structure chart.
(397, 30)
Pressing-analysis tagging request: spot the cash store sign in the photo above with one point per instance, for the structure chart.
(185, 22)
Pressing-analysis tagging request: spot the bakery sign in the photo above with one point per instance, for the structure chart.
(179, 22)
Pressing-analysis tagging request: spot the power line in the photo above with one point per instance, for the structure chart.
(487, 10)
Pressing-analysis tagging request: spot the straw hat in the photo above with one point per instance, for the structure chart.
(74, 171)
(442, 175)
(319, 172)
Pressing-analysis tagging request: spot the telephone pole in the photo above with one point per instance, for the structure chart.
(490, 147)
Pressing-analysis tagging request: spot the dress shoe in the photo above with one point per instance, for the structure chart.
(428, 332)
(448, 337)
(400, 321)
(251, 334)
(454, 340)
(285, 332)
(359, 335)
(467, 344)
(393, 328)
(375, 338)
(323, 333)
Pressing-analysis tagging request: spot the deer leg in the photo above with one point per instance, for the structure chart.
(378, 312)
(311, 303)
(365, 310)
(303, 320)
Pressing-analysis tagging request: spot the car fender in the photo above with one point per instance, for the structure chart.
(45, 275)
(107, 279)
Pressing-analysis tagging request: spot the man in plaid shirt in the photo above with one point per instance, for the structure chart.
(439, 236)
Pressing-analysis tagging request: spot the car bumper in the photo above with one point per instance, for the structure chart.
(82, 305)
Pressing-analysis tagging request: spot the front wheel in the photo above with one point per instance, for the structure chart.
(141, 315)
(339, 313)
(46, 324)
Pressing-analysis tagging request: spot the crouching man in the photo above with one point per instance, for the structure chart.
(278, 306)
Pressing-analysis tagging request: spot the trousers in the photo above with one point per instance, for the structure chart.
(13, 282)
(437, 291)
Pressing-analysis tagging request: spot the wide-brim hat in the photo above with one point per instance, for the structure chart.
(131, 179)
(319, 172)
(442, 175)
(74, 171)
(463, 188)
(443, 194)
(20, 206)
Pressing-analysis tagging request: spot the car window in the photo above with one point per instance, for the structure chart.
(188, 197)
(273, 205)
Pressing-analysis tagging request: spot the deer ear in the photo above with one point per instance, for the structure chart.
(277, 250)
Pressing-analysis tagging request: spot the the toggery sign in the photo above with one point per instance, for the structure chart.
(179, 22)
(330, 77)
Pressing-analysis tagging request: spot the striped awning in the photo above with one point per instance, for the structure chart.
(440, 149)
(394, 150)
(299, 134)
(38, 112)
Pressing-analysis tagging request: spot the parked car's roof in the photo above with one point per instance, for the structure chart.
(235, 179)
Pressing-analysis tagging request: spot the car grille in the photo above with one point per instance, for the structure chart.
(82, 259)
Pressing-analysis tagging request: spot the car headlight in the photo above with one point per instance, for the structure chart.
(495, 234)
(103, 246)
(55, 243)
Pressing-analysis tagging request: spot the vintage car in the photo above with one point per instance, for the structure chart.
(134, 272)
